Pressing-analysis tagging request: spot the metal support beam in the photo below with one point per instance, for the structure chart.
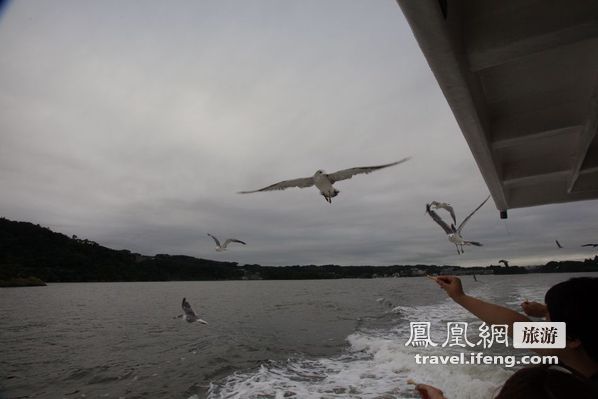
(460, 86)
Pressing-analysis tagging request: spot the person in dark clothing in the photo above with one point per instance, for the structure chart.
(574, 302)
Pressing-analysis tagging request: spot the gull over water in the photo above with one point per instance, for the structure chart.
(324, 181)
(454, 233)
(188, 314)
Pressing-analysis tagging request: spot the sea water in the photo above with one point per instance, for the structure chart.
(265, 339)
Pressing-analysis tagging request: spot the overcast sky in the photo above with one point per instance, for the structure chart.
(135, 123)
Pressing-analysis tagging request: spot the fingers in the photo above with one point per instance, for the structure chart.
(436, 280)
(422, 393)
(451, 284)
(442, 282)
(428, 391)
(446, 281)
(532, 303)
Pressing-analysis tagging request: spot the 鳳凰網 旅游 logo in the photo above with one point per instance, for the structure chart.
(462, 335)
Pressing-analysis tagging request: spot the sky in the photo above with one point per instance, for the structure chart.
(134, 124)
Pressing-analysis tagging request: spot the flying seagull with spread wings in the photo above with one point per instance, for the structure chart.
(324, 181)
(504, 262)
(222, 247)
(188, 314)
(454, 234)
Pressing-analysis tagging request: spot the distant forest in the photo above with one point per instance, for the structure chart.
(29, 253)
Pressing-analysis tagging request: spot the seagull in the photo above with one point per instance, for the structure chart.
(189, 315)
(454, 234)
(385, 302)
(445, 206)
(558, 244)
(504, 262)
(324, 181)
(590, 245)
(222, 247)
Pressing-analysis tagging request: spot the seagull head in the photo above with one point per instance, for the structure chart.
(319, 172)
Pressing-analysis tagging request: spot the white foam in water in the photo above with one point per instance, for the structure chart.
(375, 366)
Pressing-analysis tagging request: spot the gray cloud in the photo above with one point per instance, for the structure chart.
(135, 127)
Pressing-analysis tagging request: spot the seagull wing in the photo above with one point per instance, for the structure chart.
(349, 173)
(438, 220)
(470, 215)
(590, 245)
(282, 185)
(446, 207)
(229, 240)
(558, 244)
(452, 212)
(187, 309)
(215, 239)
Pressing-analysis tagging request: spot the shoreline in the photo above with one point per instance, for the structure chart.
(22, 282)
(36, 282)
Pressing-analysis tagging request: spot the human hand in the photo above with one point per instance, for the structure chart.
(534, 309)
(429, 392)
(452, 285)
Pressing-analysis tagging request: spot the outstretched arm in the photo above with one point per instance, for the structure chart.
(485, 311)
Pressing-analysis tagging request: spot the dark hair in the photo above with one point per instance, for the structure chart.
(545, 383)
(576, 303)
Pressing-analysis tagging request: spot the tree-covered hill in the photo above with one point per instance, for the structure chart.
(32, 250)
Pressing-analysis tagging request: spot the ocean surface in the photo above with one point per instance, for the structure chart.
(265, 339)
